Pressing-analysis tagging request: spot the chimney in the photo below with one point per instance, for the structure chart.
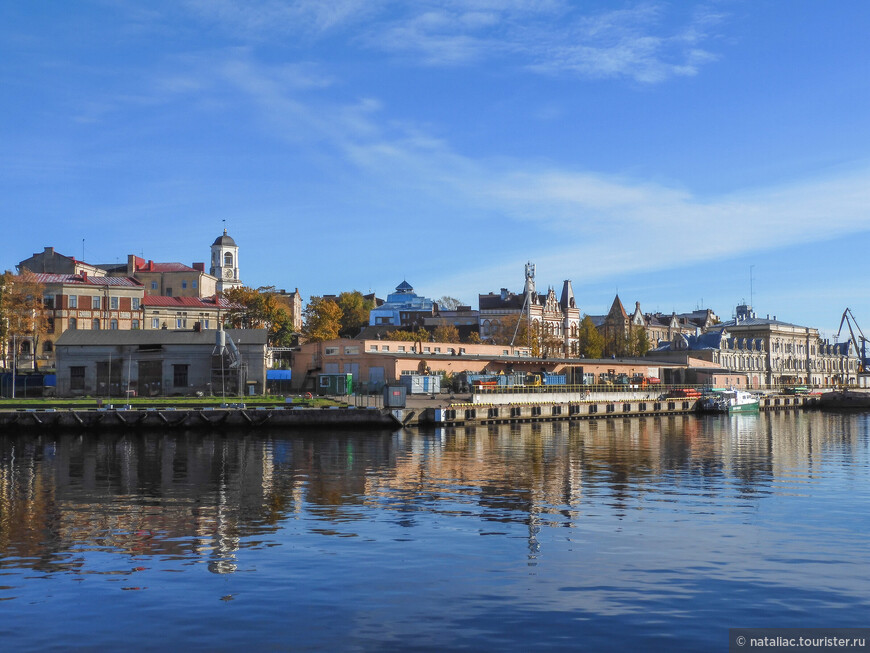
(150, 265)
(84, 276)
(199, 267)
(49, 251)
(504, 293)
(131, 265)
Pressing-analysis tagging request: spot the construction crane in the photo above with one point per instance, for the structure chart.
(860, 342)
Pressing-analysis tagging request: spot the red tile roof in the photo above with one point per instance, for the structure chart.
(202, 302)
(83, 280)
(151, 266)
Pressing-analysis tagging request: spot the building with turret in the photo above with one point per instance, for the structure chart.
(403, 307)
(554, 321)
(225, 262)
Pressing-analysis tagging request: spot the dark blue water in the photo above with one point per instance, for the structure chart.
(653, 534)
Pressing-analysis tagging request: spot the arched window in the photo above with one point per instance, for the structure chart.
(228, 260)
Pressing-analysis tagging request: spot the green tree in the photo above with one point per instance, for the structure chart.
(355, 309)
(616, 343)
(590, 340)
(321, 320)
(638, 343)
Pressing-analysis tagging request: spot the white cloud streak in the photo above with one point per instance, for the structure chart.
(551, 37)
(607, 225)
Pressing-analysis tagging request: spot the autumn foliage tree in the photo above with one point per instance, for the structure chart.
(420, 335)
(446, 333)
(22, 313)
(321, 320)
(514, 329)
(259, 309)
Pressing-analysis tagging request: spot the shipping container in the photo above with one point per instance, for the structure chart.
(418, 384)
(395, 396)
(335, 384)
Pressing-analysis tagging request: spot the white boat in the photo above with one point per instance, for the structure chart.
(729, 401)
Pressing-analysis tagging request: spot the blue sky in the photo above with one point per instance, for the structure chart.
(655, 149)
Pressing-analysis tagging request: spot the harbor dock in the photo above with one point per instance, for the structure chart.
(420, 411)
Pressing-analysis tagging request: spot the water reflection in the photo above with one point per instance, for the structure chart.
(626, 522)
(204, 497)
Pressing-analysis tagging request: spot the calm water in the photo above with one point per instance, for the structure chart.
(636, 534)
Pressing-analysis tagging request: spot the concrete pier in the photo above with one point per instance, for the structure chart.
(204, 418)
(421, 411)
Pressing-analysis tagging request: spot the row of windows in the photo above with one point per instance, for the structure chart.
(334, 351)
(180, 376)
(180, 323)
(193, 284)
(96, 324)
(97, 302)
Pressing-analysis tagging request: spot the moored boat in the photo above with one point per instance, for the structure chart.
(729, 401)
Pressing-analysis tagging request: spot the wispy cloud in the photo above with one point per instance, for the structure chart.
(574, 219)
(264, 19)
(646, 42)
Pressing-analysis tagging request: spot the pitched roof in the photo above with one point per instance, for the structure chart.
(203, 302)
(756, 321)
(151, 266)
(104, 337)
(83, 280)
(494, 301)
(617, 309)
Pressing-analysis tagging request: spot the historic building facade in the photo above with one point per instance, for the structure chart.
(82, 302)
(554, 321)
(661, 327)
(174, 313)
(225, 262)
(770, 352)
(796, 354)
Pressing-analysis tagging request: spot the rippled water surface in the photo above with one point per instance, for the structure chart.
(635, 534)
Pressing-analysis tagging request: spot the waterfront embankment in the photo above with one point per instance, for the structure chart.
(421, 411)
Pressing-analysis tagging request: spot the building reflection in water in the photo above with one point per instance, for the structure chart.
(205, 498)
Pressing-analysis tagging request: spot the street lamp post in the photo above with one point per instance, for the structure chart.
(14, 362)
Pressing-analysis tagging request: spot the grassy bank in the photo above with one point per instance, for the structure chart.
(148, 402)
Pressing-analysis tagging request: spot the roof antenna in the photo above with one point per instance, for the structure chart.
(83, 250)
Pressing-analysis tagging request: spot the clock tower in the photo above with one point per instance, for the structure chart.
(225, 262)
